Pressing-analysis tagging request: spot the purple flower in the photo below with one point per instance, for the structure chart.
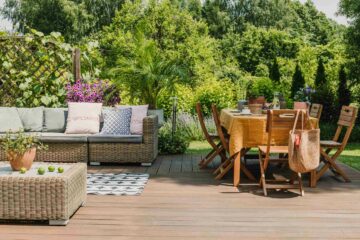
(98, 91)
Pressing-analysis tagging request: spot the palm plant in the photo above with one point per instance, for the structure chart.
(147, 72)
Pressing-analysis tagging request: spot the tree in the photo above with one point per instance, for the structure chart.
(320, 79)
(73, 18)
(344, 94)
(298, 81)
(275, 72)
(148, 72)
(177, 40)
(324, 93)
(351, 9)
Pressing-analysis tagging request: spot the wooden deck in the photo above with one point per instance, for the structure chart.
(183, 202)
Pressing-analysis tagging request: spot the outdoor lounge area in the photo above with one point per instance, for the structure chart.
(179, 119)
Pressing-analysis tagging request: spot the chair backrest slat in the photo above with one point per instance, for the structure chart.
(219, 128)
(348, 116)
(203, 126)
(280, 122)
(347, 120)
(316, 110)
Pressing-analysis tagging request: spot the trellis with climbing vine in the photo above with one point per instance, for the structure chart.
(34, 70)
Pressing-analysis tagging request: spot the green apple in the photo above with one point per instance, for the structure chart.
(51, 168)
(41, 171)
(23, 170)
(60, 169)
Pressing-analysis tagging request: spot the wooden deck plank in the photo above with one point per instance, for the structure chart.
(176, 164)
(182, 201)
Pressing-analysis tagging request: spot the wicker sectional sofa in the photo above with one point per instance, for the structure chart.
(99, 148)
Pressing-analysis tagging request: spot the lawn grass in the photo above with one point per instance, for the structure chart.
(351, 155)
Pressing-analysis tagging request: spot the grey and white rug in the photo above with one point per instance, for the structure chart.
(119, 184)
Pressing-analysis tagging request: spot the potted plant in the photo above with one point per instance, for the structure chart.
(20, 149)
(302, 99)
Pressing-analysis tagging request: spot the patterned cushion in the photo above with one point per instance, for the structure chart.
(137, 117)
(117, 121)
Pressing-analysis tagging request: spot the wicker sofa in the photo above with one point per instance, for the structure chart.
(98, 148)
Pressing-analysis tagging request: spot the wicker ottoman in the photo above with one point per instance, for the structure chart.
(53, 197)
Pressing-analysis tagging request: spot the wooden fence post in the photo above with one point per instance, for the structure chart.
(76, 64)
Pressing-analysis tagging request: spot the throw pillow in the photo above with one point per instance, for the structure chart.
(117, 121)
(55, 119)
(9, 119)
(137, 117)
(83, 118)
(32, 118)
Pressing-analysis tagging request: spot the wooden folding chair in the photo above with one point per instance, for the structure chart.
(279, 124)
(347, 120)
(316, 110)
(217, 149)
(228, 164)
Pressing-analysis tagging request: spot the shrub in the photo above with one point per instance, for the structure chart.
(190, 126)
(169, 143)
(185, 100)
(327, 131)
(214, 92)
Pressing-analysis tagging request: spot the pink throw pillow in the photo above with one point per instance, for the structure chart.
(137, 117)
(83, 118)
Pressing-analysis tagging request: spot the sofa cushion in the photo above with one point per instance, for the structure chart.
(48, 137)
(83, 118)
(32, 118)
(9, 119)
(117, 122)
(55, 119)
(98, 138)
(137, 117)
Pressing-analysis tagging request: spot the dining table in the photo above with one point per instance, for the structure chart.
(249, 131)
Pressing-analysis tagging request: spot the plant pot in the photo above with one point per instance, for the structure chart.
(18, 161)
(258, 100)
(301, 105)
(159, 113)
(255, 108)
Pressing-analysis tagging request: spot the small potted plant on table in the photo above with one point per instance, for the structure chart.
(20, 149)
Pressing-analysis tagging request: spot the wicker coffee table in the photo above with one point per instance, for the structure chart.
(53, 197)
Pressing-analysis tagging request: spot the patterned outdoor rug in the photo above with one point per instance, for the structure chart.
(120, 184)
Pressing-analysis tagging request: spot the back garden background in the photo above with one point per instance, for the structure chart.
(216, 51)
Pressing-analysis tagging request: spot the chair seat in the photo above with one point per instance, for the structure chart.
(274, 149)
(330, 144)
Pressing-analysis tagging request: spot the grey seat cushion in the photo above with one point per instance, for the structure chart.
(63, 138)
(32, 118)
(55, 119)
(9, 119)
(99, 138)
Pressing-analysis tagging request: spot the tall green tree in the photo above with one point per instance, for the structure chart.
(351, 9)
(275, 74)
(72, 18)
(344, 94)
(320, 79)
(177, 39)
(298, 81)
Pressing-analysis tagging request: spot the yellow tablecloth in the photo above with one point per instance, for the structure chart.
(248, 131)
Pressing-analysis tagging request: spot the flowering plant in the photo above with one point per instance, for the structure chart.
(304, 94)
(97, 92)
